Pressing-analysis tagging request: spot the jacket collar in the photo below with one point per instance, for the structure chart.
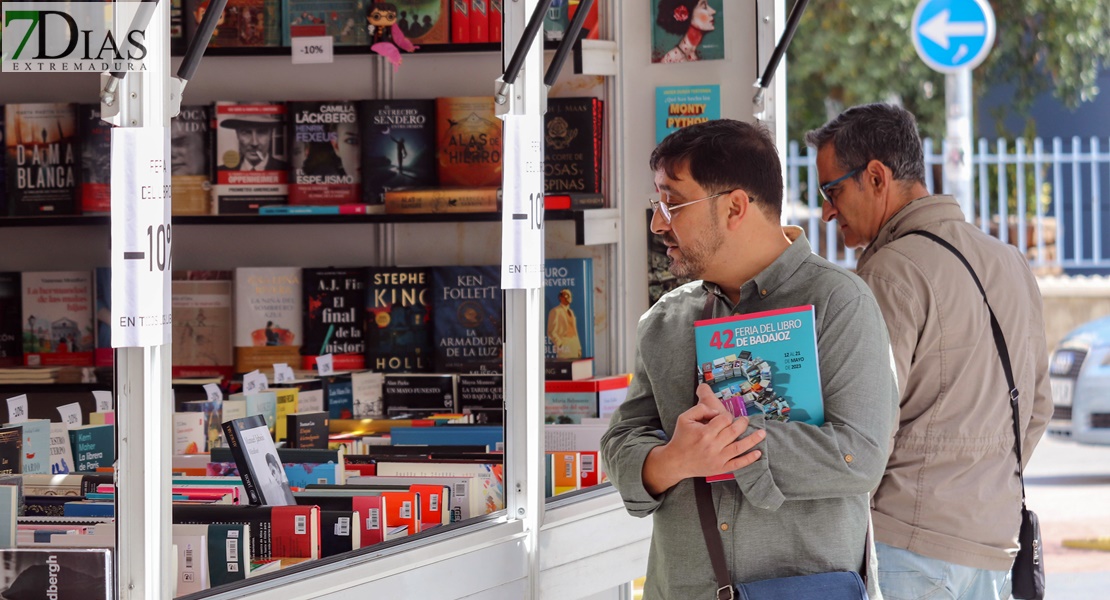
(918, 214)
(777, 273)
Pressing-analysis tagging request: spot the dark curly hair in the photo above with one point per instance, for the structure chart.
(665, 18)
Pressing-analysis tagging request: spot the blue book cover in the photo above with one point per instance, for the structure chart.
(398, 320)
(82, 508)
(765, 361)
(339, 395)
(569, 304)
(36, 445)
(490, 436)
(302, 474)
(466, 322)
(94, 446)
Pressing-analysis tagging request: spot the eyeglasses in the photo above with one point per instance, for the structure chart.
(667, 210)
(825, 189)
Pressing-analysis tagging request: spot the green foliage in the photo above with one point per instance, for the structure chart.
(849, 52)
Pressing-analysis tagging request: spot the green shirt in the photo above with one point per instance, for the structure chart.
(802, 508)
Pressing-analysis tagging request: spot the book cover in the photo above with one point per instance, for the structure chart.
(468, 142)
(263, 404)
(263, 475)
(765, 361)
(417, 396)
(95, 141)
(372, 526)
(674, 31)
(41, 159)
(103, 354)
(339, 532)
(191, 155)
(460, 21)
(403, 510)
(398, 146)
(11, 318)
(84, 573)
(326, 152)
(398, 320)
(334, 312)
(11, 450)
(4, 211)
(190, 434)
(482, 396)
(252, 167)
(229, 552)
(366, 389)
(681, 106)
(268, 319)
(257, 523)
(570, 401)
(573, 146)
(424, 21)
(421, 201)
(57, 318)
(243, 23)
(286, 403)
(296, 531)
(94, 446)
(342, 20)
(479, 21)
(467, 321)
(192, 558)
(496, 15)
(569, 303)
(36, 445)
(339, 395)
(212, 411)
(202, 328)
(308, 430)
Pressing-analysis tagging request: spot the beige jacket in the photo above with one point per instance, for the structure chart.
(950, 490)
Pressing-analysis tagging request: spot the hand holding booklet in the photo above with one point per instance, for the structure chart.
(762, 363)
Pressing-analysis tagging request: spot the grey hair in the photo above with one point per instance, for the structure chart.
(882, 132)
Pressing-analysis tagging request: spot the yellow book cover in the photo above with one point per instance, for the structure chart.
(286, 405)
(468, 141)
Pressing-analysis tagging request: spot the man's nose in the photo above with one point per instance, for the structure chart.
(828, 211)
(659, 225)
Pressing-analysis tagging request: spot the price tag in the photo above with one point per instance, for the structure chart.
(215, 394)
(283, 373)
(255, 382)
(71, 415)
(103, 400)
(17, 409)
(309, 50)
(141, 236)
(325, 365)
(522, 215)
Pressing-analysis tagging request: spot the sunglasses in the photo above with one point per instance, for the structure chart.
(668, 210)
(825, 190)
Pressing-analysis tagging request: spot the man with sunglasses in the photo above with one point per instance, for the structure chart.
(947, 511)
(799, 501)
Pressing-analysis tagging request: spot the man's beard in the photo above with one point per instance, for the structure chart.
(695, 256)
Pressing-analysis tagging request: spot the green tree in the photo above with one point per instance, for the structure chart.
(849, 52)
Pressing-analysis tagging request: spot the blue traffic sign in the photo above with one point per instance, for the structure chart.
(952, 35)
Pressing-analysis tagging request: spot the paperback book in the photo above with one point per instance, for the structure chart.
(191, 160)
(569, 302)
(268, 303)
(335, 312)
(263, 475)
(398, 146)
(41, 159)
(467, 321)
(326, 153)
(468, 142)
(57, 318)
(573, 146)
(398, 320)
(252, 167)
(95, 140)
(202, 328)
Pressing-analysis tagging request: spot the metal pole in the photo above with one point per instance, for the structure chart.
(143, 426)
(957, 158)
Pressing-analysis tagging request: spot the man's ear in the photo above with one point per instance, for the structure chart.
(739, 204)
(877, 176)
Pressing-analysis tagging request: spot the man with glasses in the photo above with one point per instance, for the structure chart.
(799, 501)
(947, 511)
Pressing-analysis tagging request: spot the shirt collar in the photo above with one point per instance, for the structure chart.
(764, 284)
(917, 214)
(260, 166)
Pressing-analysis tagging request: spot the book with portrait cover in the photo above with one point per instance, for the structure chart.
(398, 320)
(268, 319)
(253, 449)
(243, 23)
(326, 153)
(335, 313)
(252, 167)
(398, 146)
(342, 20)
(41, 159)
(687, 32)
(95, 141)
(764, 362)
(573, 146)
(424, 21)
(467, 320)
(202, 327)
(569, 305)
(468, 142)
(57, 318)
(11, 316)
(191, 155)
(84, 573)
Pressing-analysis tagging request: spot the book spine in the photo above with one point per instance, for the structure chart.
(235, 444)
(495, 20)
(444, 200)
(479, 22)
(460, 21)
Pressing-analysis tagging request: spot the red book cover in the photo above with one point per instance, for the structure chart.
(460, 21)
(591, 474)
(591, 19)
(479, 21)
(495, 20)
(432, 509)
(296, 531)
(372, 510)
(402, 508)
(340, 362)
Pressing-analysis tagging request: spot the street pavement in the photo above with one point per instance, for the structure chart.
(1068, 486)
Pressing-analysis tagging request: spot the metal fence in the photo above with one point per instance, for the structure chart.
(1049, 196)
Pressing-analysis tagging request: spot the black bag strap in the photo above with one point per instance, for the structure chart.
(999, 342)
(707, 516)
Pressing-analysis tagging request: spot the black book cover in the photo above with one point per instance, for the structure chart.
(308, 430)
(398, 320)
(334, 313)
(46, 506)
(11, 320)
(95, 142)
(34, 573)
(41, 159)
(310, 456)
(572, 146)
(398, 146)
(257, 460)
(326, 153)
(337, 532)
(467, 321)
(3, 185)
(482, 396)
(408, 396)
(11, 450)
(191, 157)
(259, 518)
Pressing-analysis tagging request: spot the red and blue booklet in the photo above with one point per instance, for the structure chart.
(763, 362)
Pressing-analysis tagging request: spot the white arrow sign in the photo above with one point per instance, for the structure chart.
(938, 29)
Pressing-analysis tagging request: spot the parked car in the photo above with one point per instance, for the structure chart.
(1079, 372)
